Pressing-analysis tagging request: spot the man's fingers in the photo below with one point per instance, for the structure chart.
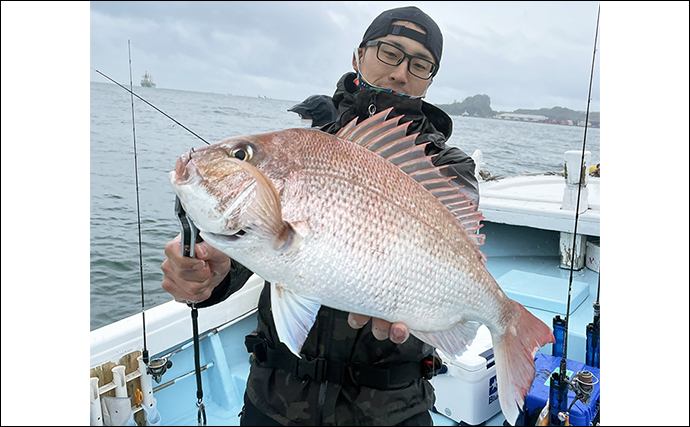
(206, 252)
(203, 250)
(399, 332)
(357, 321)
(172, 252)
(193, 292)
(172, 245)
(380, 329)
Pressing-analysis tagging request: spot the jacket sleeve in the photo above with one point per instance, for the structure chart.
(233, 282)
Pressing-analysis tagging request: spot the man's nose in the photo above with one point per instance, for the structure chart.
(399, 71)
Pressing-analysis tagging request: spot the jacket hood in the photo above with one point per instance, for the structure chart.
(319, 107)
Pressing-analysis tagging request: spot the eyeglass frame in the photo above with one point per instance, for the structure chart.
(378, 44)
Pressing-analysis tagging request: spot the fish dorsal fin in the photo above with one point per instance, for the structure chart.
(352, 130)
(390, 140)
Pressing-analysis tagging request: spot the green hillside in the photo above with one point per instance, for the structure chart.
(480, 106)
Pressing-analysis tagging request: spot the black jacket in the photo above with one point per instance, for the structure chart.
(300, 400)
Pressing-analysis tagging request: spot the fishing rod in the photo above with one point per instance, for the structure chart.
(583, 382)
(189, 236)
(145, 352)
(156, 367)
(579, 192)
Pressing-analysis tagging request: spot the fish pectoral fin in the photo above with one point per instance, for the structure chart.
(265, 212)
(293, 315)
(298, 231)
(451, 341)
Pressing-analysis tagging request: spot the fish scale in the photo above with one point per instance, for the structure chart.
(365, 243)
(329, 222)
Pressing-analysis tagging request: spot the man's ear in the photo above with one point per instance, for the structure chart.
(359, 52)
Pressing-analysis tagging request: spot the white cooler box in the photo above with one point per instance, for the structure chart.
(592, 255)
(467, 391)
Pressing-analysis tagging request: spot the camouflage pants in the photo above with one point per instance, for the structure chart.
(251, 416)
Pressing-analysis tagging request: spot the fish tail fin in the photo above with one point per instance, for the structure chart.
(514, 353)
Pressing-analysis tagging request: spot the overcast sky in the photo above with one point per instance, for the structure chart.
(521, 54)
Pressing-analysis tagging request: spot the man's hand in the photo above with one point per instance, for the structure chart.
(381, 329)
(193, 279)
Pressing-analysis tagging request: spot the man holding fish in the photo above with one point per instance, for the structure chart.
(341, 371)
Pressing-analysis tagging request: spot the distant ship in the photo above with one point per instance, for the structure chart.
(147, 80)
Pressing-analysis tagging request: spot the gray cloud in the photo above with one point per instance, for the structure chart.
(521, 54)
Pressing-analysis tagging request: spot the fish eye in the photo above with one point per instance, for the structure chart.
(242, 153)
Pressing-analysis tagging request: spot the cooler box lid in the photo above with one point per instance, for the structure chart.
(479, 354)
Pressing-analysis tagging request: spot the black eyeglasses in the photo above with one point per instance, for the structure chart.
(392, 55)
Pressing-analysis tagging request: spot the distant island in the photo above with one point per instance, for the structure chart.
(480, 106)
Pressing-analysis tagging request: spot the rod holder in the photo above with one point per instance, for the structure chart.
(95, 400)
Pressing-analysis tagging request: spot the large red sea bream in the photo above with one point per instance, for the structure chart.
(362, 222)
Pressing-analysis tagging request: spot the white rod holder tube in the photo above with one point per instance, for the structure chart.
(146, 384)
(573, 160)
(120, 381)
(95, 399)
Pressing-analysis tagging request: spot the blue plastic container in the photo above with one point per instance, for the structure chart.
(559, 336)
(580, 414)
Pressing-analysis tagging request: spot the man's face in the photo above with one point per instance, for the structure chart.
(396, 78)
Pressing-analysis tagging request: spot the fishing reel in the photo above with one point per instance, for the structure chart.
(157, 367)
(582, 384)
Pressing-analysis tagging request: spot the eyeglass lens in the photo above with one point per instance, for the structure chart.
(391, 55)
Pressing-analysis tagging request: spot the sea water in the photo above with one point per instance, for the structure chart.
(508, 147)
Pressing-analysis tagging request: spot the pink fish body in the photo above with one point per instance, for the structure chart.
(361, 222)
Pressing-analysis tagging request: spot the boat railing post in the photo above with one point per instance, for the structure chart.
(573, 175)
(565, 248)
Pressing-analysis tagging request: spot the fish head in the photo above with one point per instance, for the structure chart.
(216, 191)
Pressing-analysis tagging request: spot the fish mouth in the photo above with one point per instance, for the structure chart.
(185, 170)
